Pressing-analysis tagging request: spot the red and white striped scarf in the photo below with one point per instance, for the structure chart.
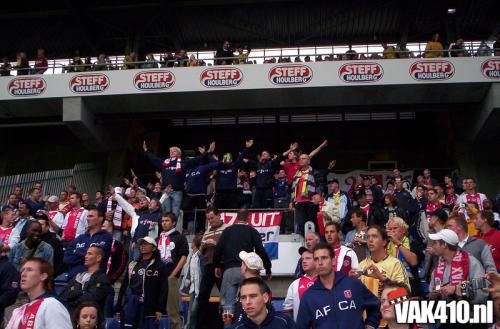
(178, 162)
(117, 214)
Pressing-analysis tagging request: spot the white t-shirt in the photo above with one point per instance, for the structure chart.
(57, 218)
(346, 251)
(51, 314)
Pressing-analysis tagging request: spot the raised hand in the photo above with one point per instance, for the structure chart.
(158, 174)
(211, 147)
(144, 146)
(324, 144)
(249, 143)
(332, 164)
(132, 173)
(294, 146)
(201, 149)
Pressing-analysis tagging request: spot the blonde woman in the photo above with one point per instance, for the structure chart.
(399, 247)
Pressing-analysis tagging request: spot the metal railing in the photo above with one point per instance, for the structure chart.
(120, 64)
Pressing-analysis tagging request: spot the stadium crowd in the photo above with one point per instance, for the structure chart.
(226, 55)
(433, 240)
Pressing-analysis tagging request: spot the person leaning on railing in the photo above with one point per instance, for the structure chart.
(433, 47)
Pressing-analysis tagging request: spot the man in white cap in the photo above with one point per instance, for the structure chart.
(251, 264)
(56, 217)
(454, 267)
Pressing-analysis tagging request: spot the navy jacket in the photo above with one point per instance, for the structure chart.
(74, 256)
(9, 284)
(273, 320)
(264, 179)
(34, 206)
(341, 307)
(227, 175)
(405, 201)
(169, 175)
(196, 178)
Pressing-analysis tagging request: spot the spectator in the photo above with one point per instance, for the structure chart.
(339, 201)
(5, 68)
(75, 221)
(53, 240)
(174, 249)
(9, 283)
(76, 64)
(114, 267)
(99, 197)
(85, 200)
(88, 64)
(485, 223)
(329, 286)
(436, 224)
(345, 257)
(373, 192)
(389, 52)
(432, 202)
(397, 174)
(100, 65)
(19, 232)
(150, 62)
(389, 188)
(233, 240)
(400, 247)
(300, 285)
(470, 194)
(18, 191)
(404, 52)
(391, 208)
(434, 49)
(168, 60)
(488, 206)
(12, 203)
(351, 54)
(474, 247)
(22, 64)
(265, 168)
(356, 238)
(307, 59)
(74, 255)
(6, 225)
(182, 58)
(389, 297)
(226, 181)
(258, 311)
(192, 61)
(373, 212)
(34, 201)
(451, 197)
(88, 316)
(90, 285)
(145, 220)
(224, 56)
(429, 182)
(56, 217)
(453, 260)
(145, 286)
(280, 190)
(64, 202)
(129, 62)
(208, 245)
(457, 49)
(43, 306)
(496, 46)
(379, 266)
(303, 188)
(191, 281)
(312, 239)
(41, 63)
(483, 50)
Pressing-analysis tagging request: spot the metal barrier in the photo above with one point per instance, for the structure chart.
(87, 177)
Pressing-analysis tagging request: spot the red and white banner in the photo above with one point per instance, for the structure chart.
(267, 223)
(348, 181)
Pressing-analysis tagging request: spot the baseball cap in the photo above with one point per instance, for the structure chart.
(446, 235)
(128, 191)
(302, 249)
(252, 260)
(144, 197)
(53, 199)
(149, 240)
(441, 214)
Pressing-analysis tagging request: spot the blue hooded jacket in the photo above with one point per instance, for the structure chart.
(273, 320)
(338, 308)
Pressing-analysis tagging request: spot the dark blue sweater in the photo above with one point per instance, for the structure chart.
(9, 284)
(265, 170)
(145, 220)
(227, 176)
(338, 308)
(169, 174)
(273, 320)
(77, 249)
(196, 179)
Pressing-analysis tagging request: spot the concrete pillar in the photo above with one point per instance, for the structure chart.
(80, 120)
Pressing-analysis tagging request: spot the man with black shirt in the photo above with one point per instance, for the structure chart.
(224, 55)
(265, 169)
(11, 202)
(226, 195)
(236, 238)
(373, 212)
(52, 239)
(174, 249)
(34, 201)
(90, 285)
